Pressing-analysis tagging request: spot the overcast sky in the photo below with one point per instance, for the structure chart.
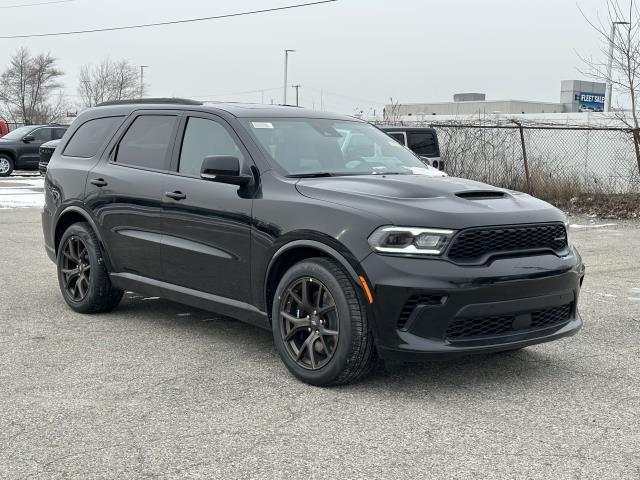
(359, 52)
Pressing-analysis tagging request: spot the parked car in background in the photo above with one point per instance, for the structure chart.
(422, 141)
(4, 128)
(316, 226)
(20, 148)
(46, 150)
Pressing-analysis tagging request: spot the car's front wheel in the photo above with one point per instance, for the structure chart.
(6, 166)
(82, 273)
(320, 325)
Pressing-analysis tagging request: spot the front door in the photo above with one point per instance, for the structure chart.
(30, 152)
(207, 229)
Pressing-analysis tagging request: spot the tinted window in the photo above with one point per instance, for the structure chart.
(91, 136)
(423, 143)
(42, 134)
(58, 133)
(203, 138)
(398, 136)
(147, 141)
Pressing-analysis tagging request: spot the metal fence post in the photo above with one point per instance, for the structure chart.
(524, 155)
(636, 145)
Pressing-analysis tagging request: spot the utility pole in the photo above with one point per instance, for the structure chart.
(609, 91)
(142, 67)
(286, 68)
(297, 87)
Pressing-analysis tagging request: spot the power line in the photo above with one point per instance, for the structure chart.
(246, 92)
(35, 4)
(172, 22)
(347, 97)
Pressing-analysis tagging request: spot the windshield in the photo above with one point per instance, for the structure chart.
(17, 134)
(308, 147)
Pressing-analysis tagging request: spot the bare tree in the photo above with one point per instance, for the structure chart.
(391, 112)
(619, 65)
(27, 88)
(108, 80)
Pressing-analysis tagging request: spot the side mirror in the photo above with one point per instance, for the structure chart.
(28, 138)
(223, 169)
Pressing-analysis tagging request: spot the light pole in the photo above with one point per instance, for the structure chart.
(286, 67)
(142, 67)
(297, 87)
(609, 91)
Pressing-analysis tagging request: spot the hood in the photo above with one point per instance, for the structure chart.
(4, 141)
(439, 202)
(50, 144)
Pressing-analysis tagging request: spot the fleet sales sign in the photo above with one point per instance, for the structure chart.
(591, 102)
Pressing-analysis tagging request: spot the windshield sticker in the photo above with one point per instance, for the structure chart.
(262, 124)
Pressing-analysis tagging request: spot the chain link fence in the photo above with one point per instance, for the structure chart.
(550, 161)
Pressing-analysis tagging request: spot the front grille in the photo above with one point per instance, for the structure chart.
(45, 154)
(496, 325)
(474, 244)
(416, 300)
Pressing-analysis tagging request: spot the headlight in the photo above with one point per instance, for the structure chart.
(410, 240)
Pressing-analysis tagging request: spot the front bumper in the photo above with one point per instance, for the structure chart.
(432, 308)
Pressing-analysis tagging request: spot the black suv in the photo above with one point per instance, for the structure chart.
(19, 149)
(318, 227)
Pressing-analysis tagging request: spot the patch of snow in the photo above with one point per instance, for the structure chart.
(577, 226)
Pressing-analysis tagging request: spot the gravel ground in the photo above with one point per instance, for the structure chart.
(155, 389)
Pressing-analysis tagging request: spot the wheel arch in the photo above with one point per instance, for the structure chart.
(69, 216)
(294, 252)
(11, 154)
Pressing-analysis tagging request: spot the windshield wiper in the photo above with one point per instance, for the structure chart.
(310, 175)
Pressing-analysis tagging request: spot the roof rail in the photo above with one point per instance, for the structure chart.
(171, 101)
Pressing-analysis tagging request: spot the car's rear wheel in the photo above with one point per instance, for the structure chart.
(6, 166)
(82, 273)
(320, 325)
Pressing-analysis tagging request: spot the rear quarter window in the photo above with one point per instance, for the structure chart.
(423, 143)
(91, 135)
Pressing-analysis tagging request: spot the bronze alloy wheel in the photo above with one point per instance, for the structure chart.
(76, 268)
(309, 323)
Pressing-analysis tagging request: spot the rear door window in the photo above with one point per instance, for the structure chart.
(91, 135)
(423, 143)
(398, 136)
(146, 143)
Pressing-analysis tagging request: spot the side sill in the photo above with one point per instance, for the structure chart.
(195, 298)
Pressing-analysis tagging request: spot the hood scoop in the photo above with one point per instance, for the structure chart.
(480, 194)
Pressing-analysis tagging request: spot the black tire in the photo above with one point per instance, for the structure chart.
(99, 295)
(354, 354)
(6, 165)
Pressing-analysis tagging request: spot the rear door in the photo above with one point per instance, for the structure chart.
(125, 192)
(207, 230)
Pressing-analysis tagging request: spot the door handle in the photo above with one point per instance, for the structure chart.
(177, 195)
(98, 182)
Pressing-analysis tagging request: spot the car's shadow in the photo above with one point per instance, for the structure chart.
(459, 373)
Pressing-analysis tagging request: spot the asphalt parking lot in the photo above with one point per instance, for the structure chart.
(158, 390)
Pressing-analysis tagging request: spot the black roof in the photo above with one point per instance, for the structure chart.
(240, 110)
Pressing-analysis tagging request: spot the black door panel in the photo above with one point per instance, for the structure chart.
(207, 229)
(129, 212)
